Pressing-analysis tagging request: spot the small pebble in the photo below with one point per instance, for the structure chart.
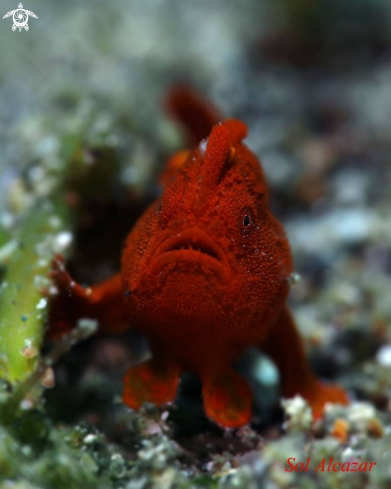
(29, 352)
(48, 379)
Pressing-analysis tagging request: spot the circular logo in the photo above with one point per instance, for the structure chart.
(20, 18)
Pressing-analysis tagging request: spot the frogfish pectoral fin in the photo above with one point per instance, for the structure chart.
(227, 399)
(150, 382)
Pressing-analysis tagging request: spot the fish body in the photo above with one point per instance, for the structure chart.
(208, 265)
(205, 275)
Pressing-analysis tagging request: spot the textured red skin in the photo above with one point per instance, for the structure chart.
(201, 310)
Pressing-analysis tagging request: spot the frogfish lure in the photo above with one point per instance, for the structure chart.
(205, 275)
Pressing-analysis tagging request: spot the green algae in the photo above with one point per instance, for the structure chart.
(25, 288)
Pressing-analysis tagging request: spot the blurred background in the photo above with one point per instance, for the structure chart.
(81, 102)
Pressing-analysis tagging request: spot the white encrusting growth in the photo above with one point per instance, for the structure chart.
(89, 439)
(42, 304)
(7, 250)
(299, 413)
(62, 241)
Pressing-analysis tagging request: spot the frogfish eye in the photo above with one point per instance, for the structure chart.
(246, 221)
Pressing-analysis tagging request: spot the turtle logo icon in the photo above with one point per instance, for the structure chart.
(20, 17)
